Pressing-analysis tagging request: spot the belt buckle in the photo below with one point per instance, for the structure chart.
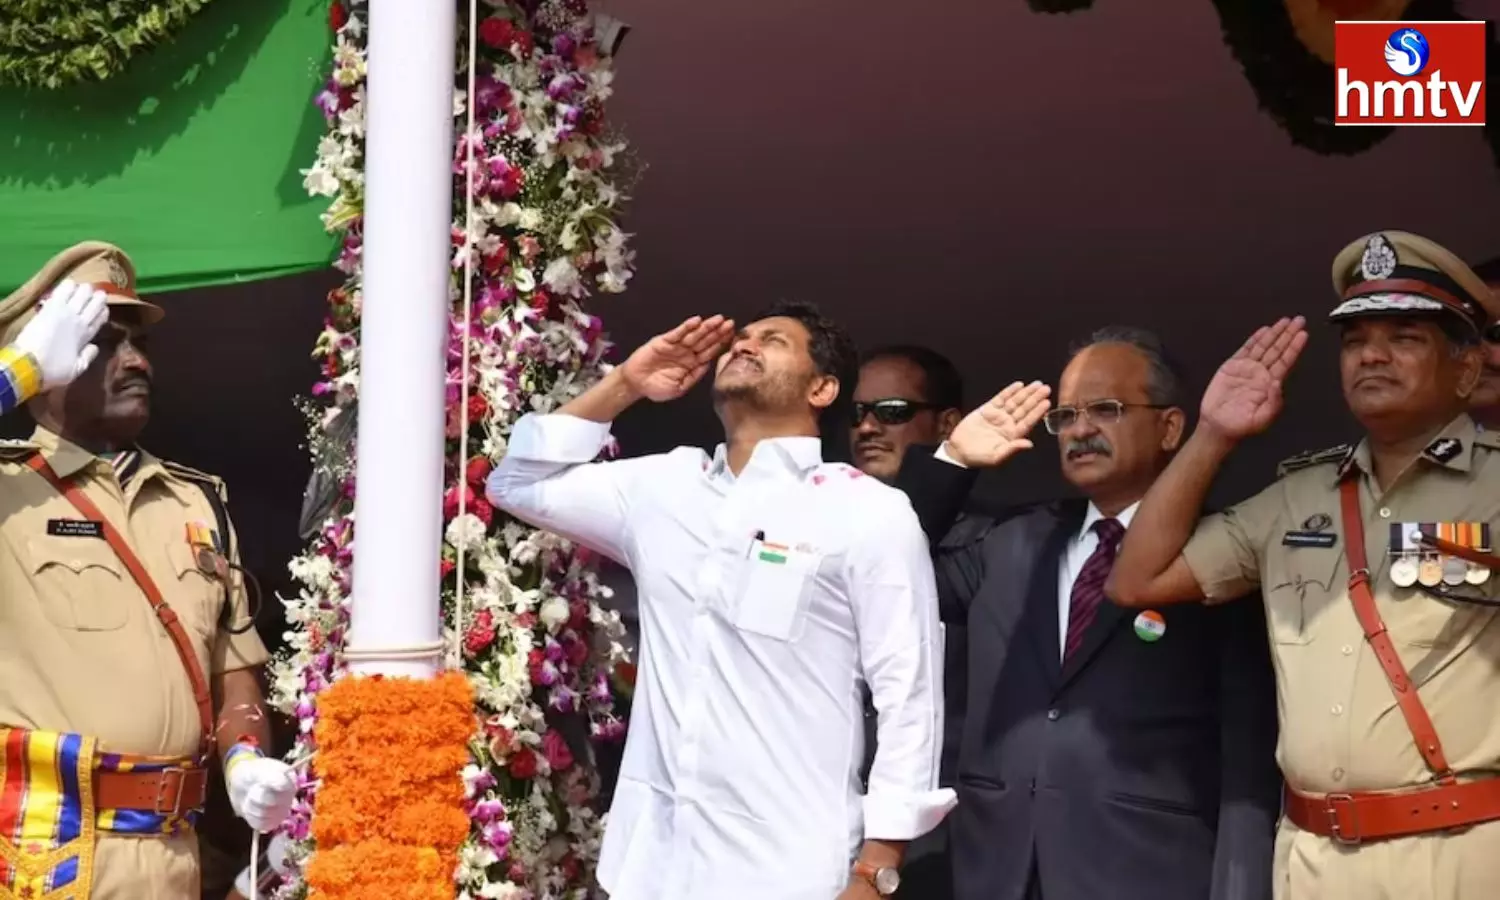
(164, 785)
(1332, 804)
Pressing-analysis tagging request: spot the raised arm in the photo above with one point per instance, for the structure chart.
(896, 615)
(548, 476)
(1242, 400)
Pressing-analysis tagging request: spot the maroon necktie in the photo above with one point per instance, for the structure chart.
(1088, 589)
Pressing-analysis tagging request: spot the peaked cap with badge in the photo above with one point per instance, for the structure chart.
(96, 263)
(1395, 273)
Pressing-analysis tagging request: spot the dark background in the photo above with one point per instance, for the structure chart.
(978, 176)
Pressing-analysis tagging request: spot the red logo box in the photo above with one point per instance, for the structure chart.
(1409, 73)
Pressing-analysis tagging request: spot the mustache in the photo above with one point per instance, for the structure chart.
(1375, 372)
(1094, 443)
(132, 379)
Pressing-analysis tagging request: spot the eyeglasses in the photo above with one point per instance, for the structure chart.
(890, 410)
(1492, 334)
(1100, 412)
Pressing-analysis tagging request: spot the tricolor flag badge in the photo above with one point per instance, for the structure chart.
(1150, 626)
(773, 553)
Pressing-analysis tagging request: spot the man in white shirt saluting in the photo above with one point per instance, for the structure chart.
(773, 588)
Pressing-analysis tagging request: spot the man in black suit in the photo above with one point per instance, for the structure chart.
(1104, 755)
(907, 404)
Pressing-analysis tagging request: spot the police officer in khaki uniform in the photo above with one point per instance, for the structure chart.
(127, 657)
(1376, 565)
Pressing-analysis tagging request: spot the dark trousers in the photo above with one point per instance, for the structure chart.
(927, 871)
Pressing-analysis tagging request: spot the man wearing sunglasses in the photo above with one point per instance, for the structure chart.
(1378, 578)
(1106, 755)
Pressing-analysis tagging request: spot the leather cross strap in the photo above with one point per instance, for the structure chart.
(1363, 599)
(180, 641)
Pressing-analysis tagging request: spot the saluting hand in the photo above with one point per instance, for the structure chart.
(668, 365)
(1244, 396)
(59, 335)
(996, 431)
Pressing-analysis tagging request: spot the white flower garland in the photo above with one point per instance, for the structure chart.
(538, 649)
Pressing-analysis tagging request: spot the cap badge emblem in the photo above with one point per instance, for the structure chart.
(117, 274)
(1379, 259)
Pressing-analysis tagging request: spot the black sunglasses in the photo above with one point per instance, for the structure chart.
(1100, 412)
(1492, 334)
(891, 410)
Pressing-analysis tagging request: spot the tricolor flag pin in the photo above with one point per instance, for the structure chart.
(1150, 626)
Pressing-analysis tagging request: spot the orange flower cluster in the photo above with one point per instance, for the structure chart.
(389, 818)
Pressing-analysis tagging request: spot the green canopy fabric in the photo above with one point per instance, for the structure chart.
(189, 159)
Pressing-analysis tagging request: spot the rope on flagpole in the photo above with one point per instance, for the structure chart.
(455, 653)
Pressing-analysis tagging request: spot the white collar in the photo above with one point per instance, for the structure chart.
(1094, 515)
(790, 455)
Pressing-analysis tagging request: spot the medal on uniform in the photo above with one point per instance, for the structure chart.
(1403, 558)
(1479, 539)
(1455, 570)
(1429, 564)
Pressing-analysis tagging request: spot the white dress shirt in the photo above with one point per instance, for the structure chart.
(767, 603)
(1080, 547)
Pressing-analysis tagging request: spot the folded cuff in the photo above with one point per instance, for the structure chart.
(557, 438)
(891, 816)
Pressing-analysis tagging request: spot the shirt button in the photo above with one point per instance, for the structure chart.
(1346, 649)
(1338, 774)
(1053, 715)
(1385, 512)
(1338, 709)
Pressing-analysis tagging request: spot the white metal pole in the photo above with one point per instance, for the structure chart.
(408, 214)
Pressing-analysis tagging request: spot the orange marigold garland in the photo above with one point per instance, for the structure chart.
(390, 815)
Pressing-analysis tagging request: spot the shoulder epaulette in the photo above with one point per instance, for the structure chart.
(1313, 458)
(1490, 440)
(192, 474)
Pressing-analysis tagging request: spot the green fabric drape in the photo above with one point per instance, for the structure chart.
(189, 159)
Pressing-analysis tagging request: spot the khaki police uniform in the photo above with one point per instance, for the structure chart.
(1343, 731)
(81, 650)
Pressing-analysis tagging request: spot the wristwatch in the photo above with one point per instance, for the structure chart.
(885, 881)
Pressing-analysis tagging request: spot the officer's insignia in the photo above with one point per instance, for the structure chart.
(1444, 449)
(117, 274)
(1340, 454)
(1317, 522)
(1379, 259)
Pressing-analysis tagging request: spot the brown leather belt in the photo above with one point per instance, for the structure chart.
(173, 792)
(1372, 816)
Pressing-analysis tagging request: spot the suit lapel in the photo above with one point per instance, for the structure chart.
(1106, 623)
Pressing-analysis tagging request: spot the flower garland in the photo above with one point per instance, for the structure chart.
(536, 647)
(390, 804)
(51, 43)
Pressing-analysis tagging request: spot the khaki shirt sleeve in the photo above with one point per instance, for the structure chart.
(244, 650)
(1227, 549)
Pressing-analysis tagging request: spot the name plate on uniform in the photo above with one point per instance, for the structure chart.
(1309, 539)
(75, 528)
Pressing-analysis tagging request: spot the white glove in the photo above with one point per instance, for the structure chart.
(261, 791)
(59, 335)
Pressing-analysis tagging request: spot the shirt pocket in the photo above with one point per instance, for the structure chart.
(777, 588)
(1419, 619)
(1298, 590)
(81, 583)
(198, 596)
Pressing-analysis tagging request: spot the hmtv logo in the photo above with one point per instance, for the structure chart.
(1409, 73)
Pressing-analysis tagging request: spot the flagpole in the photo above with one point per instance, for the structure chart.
(395, 614)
